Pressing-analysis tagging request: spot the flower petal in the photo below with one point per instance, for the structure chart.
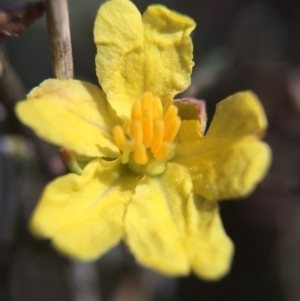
(136, 55)
(118, 35)
(72, 114)
(83, 215)
(237, 116)
(168, 51)
(228, 172)
(229, 161)
(210, 249)
(151, 232)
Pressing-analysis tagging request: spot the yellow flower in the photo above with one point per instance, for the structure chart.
(149, 176)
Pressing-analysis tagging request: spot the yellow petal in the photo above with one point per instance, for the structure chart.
(237, 116)
(118, 35)
(151, 233)
(171, 230)
(72, 114)
(229, 161)
(83, 215)
(230, 171)
(189, 131)
(136, 55)
(168, 51)
(177, 186)
(210, 249)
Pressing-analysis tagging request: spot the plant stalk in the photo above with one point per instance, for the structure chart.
(59, 32)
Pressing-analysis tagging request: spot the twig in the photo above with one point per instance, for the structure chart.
(59, 33)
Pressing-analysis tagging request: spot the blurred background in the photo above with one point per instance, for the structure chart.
(238, 45)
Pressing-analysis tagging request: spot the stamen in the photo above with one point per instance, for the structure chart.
(148, 127)
(151, 135)
(148, 94)
(158, 134)
(157, 108)
(136, 130)
(120, 137)
(147, 113)
(172, 129)
(170, 114)
(140, 153)
(163, 151)
(136, 111)
(126, 153)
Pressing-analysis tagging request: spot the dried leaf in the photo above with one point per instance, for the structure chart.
(14, 21)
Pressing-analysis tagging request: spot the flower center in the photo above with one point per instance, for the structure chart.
(149, 143)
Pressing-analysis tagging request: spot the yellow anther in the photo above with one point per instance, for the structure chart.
(147, 101)
(163, 152)
(170, 114)
(136, 130)
(150, 134)
(158, 134)
(147, 117)
(147, 94)
(171, 129)
(136, 111)
(140, 153)
(120, 138)
(157, 108)
(148, 127)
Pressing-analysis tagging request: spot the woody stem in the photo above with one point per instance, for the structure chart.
(60, 38)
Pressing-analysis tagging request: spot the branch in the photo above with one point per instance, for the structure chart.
(60, 39)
